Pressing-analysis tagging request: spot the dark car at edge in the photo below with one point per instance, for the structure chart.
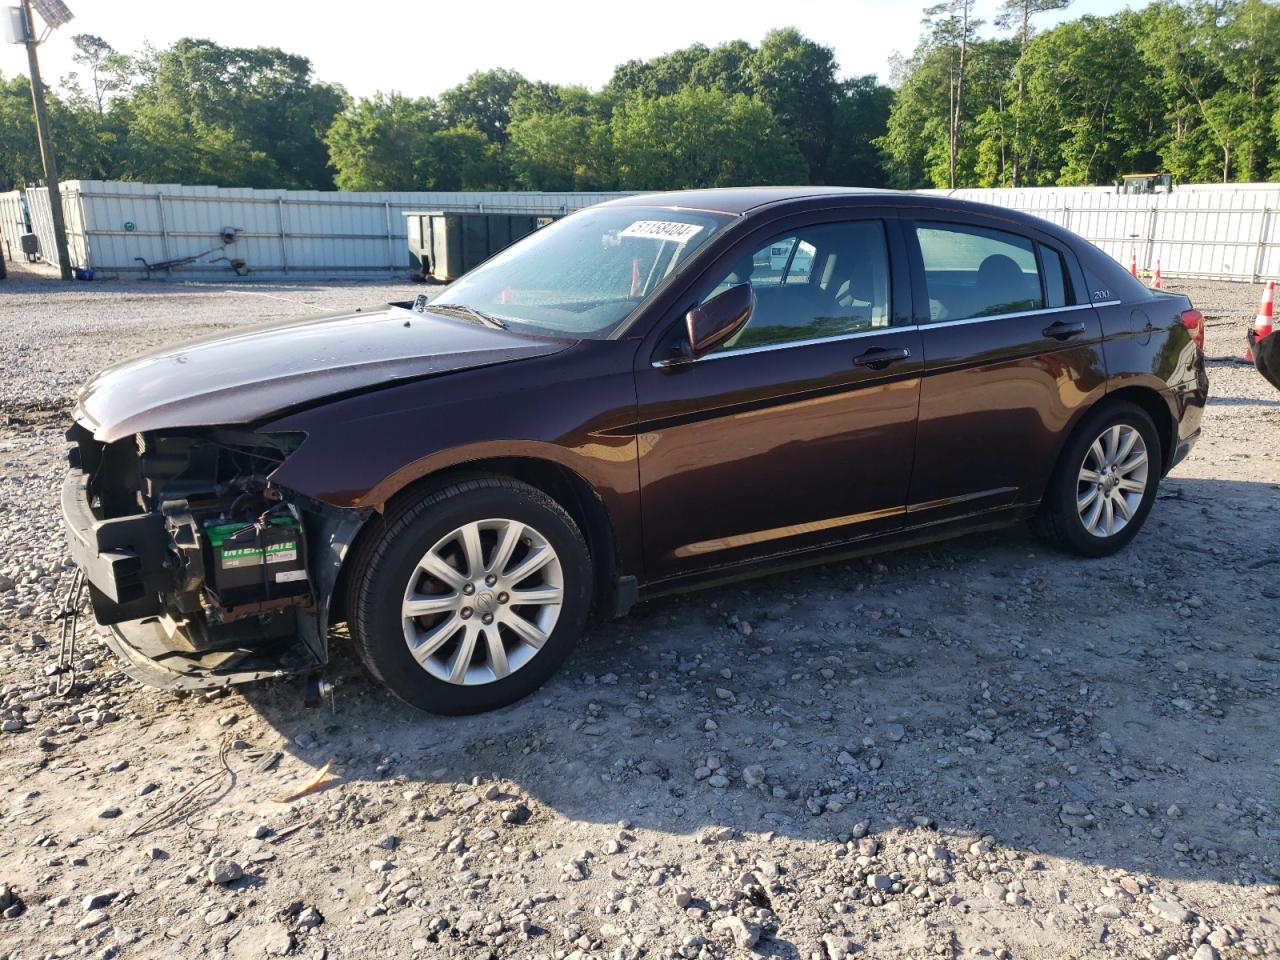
(650, 395)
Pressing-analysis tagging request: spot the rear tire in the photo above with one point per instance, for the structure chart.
(1104, 483)
(434, 602)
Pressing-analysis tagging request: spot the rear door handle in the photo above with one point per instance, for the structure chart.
(1064, 330)
(880, 357)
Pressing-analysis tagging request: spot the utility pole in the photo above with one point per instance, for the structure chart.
(46, 145)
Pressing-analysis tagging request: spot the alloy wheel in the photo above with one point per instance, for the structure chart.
(1112, 480)
(481, 603)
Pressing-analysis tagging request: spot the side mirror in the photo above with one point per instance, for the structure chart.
(712, 323)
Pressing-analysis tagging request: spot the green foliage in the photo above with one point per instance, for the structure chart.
(860, 117)
(659, 77)
(229, 116)
(917, 136)
(108, 73)
(84, 142)
(1217, 68)
(1089, 107)
(380, 143)
(701, 138)
(796, 79)
(729, 68)
(483, 102)
(460, 158)
(561, 150)
(393, 142)
(19, 154)
(1188, 86)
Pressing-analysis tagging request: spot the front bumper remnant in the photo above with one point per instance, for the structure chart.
(123, 559)
(124, 563)
(147, 654)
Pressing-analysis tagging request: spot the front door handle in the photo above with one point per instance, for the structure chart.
(877, 358)
(1064, 330)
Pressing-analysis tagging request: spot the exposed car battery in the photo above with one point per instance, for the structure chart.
(255, 562)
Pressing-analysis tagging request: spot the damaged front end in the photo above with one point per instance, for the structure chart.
(206, 572)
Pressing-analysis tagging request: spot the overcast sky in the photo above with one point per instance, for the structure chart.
(420, 47)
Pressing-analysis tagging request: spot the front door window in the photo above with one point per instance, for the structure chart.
(823, 281)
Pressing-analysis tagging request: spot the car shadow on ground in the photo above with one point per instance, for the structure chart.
(982, 686)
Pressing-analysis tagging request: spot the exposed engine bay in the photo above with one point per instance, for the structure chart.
(200, 565)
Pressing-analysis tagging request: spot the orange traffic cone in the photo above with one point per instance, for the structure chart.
(1156, 283)
(1263, 323)
(1133, 262)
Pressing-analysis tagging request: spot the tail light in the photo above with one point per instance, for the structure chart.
(1193, 320)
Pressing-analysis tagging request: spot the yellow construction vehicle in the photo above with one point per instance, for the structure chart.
(1140, 183)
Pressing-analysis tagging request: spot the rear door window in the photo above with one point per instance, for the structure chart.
(977, 272)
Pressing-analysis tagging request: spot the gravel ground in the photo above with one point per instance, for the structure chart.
(979, 748)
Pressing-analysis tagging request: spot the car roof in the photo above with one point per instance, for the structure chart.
(1101, 271)
(740, 200)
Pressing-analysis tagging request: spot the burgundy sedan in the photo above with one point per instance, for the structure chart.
(651, 394)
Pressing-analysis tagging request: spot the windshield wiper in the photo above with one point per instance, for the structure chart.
(470, 311)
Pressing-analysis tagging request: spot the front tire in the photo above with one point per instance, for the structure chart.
(1104, 483)
(472, 596)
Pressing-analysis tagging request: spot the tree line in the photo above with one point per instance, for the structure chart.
(1185, 87)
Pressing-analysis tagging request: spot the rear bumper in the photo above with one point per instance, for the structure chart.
(1183, 448)
(1187, 404)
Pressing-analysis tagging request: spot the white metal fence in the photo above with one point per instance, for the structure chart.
(41, 216)
(1223, 232)
(114, 227)
(12, 222)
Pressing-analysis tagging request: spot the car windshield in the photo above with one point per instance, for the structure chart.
(583, 275)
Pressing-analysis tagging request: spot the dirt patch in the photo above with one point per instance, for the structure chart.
(979, 748)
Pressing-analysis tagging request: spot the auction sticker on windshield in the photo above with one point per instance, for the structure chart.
(662, 230)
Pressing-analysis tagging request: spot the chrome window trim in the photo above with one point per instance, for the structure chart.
(999, 316)
(767, 347)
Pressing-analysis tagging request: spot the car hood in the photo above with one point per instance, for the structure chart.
(251, 374)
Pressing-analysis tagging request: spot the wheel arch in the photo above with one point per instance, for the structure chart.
(566, 486)
(1059, 501)
(1147, 398)
(1157, 408)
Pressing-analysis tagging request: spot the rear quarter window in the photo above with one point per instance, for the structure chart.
(1057, 278)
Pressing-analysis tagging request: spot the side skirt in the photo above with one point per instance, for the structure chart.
(795, 560)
